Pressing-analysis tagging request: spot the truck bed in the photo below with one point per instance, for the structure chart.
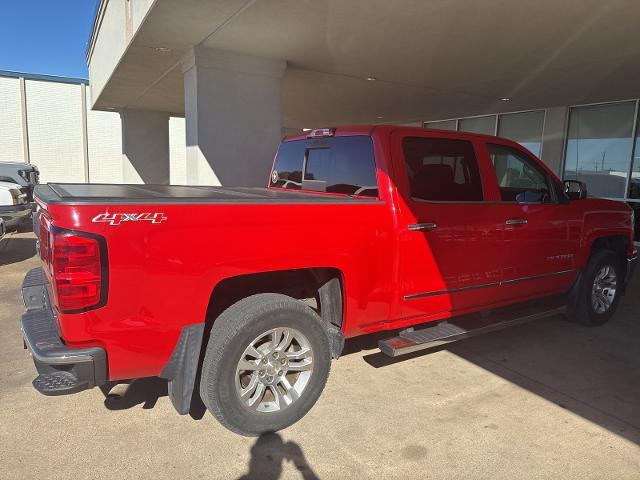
(107, 194)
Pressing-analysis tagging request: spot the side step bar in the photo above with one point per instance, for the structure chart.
(467, 326)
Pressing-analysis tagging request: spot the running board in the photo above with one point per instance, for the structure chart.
(467, 326)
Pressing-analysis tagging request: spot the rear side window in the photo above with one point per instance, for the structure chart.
(335, 165)
(442, 170)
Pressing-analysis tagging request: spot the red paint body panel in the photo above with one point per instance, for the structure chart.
(161, 275)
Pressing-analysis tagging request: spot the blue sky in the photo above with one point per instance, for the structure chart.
(46, 36)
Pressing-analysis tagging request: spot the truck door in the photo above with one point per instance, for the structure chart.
(450, 238)
(542, 234)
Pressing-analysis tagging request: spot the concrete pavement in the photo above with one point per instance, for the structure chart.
(544, 400)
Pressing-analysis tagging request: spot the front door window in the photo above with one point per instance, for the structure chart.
(519, 178)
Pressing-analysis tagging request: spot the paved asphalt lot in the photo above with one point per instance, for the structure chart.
(544, 400)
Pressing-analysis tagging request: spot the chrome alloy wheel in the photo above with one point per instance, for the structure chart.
(274, 370)
(603, 291)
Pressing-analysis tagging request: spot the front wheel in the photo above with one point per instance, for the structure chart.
(266, 364)
(599, 293)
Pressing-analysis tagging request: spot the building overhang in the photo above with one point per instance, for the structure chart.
(375, 60)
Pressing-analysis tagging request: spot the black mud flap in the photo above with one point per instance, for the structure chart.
(182, 366)
(336, 341)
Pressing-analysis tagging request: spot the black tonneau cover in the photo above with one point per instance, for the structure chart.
(108, 194)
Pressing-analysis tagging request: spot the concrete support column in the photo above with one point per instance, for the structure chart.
(284, 131)
(233, 117)
(553, 137)
(145, 146)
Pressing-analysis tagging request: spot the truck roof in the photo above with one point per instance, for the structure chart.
(108, 194)
(348, 130)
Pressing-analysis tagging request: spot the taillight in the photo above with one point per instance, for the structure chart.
(78, 270)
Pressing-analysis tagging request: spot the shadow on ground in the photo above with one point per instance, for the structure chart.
(591, 371)
(145, 392)
(268, 454)
(16, 249)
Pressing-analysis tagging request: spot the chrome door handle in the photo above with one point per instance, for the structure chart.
(421, 226)
(516, 221)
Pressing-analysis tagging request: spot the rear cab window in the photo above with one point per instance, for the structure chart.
(338, 165)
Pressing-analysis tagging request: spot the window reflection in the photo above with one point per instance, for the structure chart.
(441, 125)
(484, 125)
(342, 165)
(517, 174)
(524, 128)
(599, 147)
(634, 182)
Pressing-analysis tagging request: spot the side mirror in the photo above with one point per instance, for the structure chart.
(575, 189)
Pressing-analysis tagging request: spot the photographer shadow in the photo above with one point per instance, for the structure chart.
(267, 455)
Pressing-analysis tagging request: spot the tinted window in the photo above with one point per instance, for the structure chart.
(336, 165)
(287, 171)
(519, 178)
(440, 169)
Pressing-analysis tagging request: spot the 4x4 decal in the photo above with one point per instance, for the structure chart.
(118, 218)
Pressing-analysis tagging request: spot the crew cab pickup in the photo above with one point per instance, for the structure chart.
(245, 295)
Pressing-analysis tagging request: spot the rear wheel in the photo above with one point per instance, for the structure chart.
(599, 293)
(266, 364)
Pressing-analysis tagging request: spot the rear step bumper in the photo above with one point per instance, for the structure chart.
(62, 370)
(467, 326)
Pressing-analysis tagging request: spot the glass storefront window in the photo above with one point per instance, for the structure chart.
(634, 182)
(441, 125)
(524, 128)
(485, 125)
(599, 147)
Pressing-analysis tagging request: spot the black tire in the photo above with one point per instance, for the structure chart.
(25, 226)
(582, 311)
(231, 333)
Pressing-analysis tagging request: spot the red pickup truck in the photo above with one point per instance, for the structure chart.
(247, 294)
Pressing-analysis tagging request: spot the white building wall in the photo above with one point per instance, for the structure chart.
(109, 46)
(145, 146)
(54, 119)
(104, 135)
(139, 10)
(56, 138)
(177, 151)
(10, 121)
